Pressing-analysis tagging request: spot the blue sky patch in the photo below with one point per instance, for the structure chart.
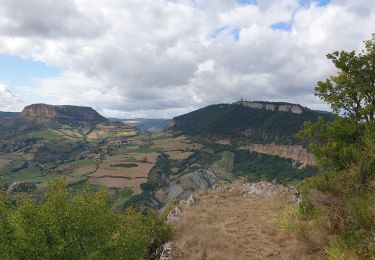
(18, 72)
(282, 26)
(247, 2)
(319, 2)
(234, 31)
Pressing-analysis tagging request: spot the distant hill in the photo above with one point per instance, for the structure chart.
(147, 124)
(50, 116)
(8, 114)
(247, 122)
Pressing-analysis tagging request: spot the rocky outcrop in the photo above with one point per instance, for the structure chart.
(172, 123)
(40, 110)
(294, 152)
(273, 106)
(187, 185)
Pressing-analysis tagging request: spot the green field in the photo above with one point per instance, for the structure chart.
(47, 135)
(224, 167)
(22, 175)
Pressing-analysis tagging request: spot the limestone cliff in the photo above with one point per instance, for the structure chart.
(294, 152)
(273, 106)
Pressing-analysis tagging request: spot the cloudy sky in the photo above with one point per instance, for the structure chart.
(162, 58)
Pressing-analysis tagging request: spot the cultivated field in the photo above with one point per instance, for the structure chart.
(178, 155)
(180, 143)
(127, 170)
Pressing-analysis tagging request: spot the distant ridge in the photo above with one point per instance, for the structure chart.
(8, 114)
(246, 122)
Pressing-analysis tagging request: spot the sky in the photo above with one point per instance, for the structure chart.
(163, 58)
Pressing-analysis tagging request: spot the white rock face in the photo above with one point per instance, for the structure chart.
(292, 108)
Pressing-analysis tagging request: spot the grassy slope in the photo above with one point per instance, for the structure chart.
(229, 226)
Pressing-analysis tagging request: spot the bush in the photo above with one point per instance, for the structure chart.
(83, 226)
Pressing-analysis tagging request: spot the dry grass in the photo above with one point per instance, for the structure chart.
(119, 183)
(140, 157)
(176, 144)
(229, 226)
(178, 155)
(98, 133)
(128, 133)
(4, 162)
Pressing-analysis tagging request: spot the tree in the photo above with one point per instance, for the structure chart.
(343, 194)
(352, 90)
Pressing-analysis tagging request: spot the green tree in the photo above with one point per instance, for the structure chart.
(352, 90)
(343, 194)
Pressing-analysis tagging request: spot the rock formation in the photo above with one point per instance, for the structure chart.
(188, 185)
(273, 106)
(73, 112)
(71, 115)
(294, 152)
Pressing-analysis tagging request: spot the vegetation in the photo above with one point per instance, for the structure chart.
(22, 175)
(256, 166)
(341, 199)
(46, 134)
(81, 226)
(224, 167)
(243, 125)
(125, 165)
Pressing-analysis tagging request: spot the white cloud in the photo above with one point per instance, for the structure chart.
(160, 59)
(8, 102)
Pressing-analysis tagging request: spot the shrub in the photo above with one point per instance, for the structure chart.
(82, 226)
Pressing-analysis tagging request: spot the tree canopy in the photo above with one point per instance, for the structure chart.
(352, 90)
(82, 226)
(342, 196)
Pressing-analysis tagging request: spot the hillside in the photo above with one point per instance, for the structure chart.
(246, 122)
(43, 116)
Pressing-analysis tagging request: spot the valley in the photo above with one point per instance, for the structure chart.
(47, 142)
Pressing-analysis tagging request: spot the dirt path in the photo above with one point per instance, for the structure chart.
(227, 226)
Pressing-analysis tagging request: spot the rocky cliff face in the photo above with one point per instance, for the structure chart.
(281, 107)
(294, 152)
(40, 110)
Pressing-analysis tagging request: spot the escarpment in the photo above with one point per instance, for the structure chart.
(273, 106)
(294, 152)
